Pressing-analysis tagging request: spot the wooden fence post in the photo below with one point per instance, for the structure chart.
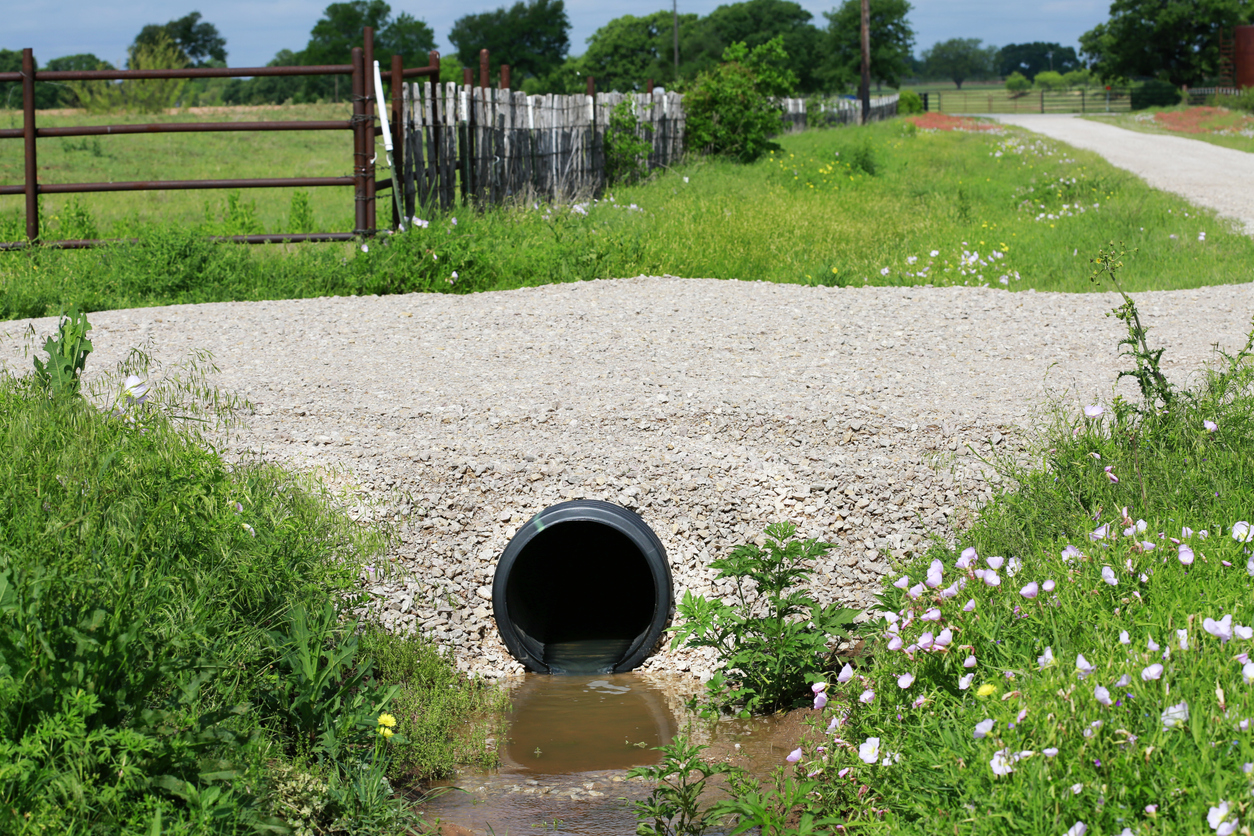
(483, 68)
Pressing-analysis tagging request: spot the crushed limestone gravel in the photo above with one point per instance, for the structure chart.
(711, 407)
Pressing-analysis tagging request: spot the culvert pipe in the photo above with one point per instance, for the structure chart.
(583, 587)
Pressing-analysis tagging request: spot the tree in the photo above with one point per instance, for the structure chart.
(1050, 80)
(730, 110)
(342, 27)
(1017, 83)
(533, 37)
(628, 51)
(959, 59)
(267, 89)
(198, 41)
(64, 96)
(754, 23)
(1030, 59)
(1175, 40)
(892, 40)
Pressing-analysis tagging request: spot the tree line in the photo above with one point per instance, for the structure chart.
(1142, 39)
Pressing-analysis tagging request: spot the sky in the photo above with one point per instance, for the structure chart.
(256, 29)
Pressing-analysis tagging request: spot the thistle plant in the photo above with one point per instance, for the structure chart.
(67, 356)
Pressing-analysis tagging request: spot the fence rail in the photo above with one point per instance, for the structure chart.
(361, 125)
(1115, 100)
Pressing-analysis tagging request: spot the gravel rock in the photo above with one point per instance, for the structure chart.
(711, 407)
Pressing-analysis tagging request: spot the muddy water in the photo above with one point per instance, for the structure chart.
(572, 740)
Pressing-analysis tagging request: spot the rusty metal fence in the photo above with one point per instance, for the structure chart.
(361, 124)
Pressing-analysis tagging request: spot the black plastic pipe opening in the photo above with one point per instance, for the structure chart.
(583, 587)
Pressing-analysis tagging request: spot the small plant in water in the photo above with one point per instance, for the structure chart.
(774, 639)
(674, 806)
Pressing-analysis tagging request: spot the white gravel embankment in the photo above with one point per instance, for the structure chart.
(712, 407)
(1207, 175)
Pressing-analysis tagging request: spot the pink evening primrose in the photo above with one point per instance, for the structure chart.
(1124, 638)
(1100, 533)
(1182, 638)
(820, 701)
(969, 662)
(964, 682)
(794, 756)
(905, 681)
(991, 579)
(846, 674)
(1001, 762)
(1217, 818)
(1102, 696)
(1247, 672)
(869, 751)
(932, 614)
(1154, 671)
(1185, 554)
(1048, 586)
(818, 686)
(1210, 426)
(970, 605)
(943, 639)
(1110, 475)
(934, 574)
(1242, 632)
(1077, 829)
(1108, 575)
(994, 563)
(866, 696)
(915, 592)
(1221, 629)
(1242, 532)
(965, 561)
(902, 582)
(1175, 715)
(1050, 752)
(983, 727)
(1047, 659)
(895, 643)
(1093, 411)
(1070, 553)
(1031, 590)
(1082, 666)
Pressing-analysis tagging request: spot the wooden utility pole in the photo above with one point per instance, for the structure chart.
(675, 9)
(864, 91)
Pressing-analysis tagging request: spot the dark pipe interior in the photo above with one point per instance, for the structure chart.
(579, 594)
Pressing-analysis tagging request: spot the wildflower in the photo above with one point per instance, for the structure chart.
(869, 751)
(1093, 411)
(1047, 659)
(1247, 672)
(1082, 666)
(964, 682)
(135, 389)
(1048, 586)
(986, 690)
(902, 582)
(249, 529)
(918, 702)
(1242, 532)
(970, 605)
(952, 590)
(1093, 727)
(934, 573)
(1124, 638)
(1071, 552)
(969, 662)
(926, 640)
(1108, 575)
(1217, 818)
(1154, 671)
(1076, 789)
(386, 724)
(934, 253)
(1151, 644)
(966, 559)
(820, 701)
(884, 272)
(866, 696)
(794, 755)
(932, 614)
(1050, 752)
(1031, 590)
(916, 591)
(454, 221)
(991, 579)
(1182, 637)
(685, 179)
(834, 725)
(1077, 829)
(994, 563)
(943, 639)
(1013, 567)
(1102, 695)
(1242, 632)
(1124, 681)
(1210, 426)
(1001, 762)
(846, 674)
(895, 643)
(1111, 476)
(364, 248)
(982, 728)
(1100, 533)
(1175, 715)
(818, 687)
(1221, 629)
(1185, 554)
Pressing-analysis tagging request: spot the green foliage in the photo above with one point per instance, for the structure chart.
(892, 40)
(674, 806)
(959, 59)
(1050, 80)
(755, 23)
(785, 809)
(1078, 78)
(67, 356)
(628, 51)
(1155, 93)
(626, 150)
(1242, 101)
(909, 102)
(237, 216)
(774, 638)
(342, 27)
(149, 95)
(300, 216)
(1175, 41)
(1018, 83)
(533, 37)
(730, 111)
(1030, 59)
(198, 41)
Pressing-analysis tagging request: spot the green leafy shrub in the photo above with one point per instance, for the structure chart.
(1242, 101)
(1154, 93)
(909, 102)
(626, 151)
(730, 110)
(1050, 80)
(774, 639)
(1017, 83)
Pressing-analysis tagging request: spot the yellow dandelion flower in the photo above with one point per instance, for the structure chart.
(387, 720)
(987, 689)
(385, 731)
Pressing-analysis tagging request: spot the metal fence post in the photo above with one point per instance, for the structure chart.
(504, 79)
(368, 82)
(28, 135)
(483, 68)
(359, 143)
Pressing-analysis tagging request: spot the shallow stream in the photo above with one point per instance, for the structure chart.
(571, 742)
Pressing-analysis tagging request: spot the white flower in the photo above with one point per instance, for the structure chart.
(964, 682)
(983, 727)
(1102, 695)
(1082, 666)
(1242, 532)
(1217, 818)
(135, 389)
(1175, 715)
(869, 751)
(1047, 659)
(1001, 762)
(1077, 829)
(905, 680)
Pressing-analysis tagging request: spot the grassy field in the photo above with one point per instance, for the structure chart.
(1218, 126)
(993, 97)
(189, 157)
(885, 204)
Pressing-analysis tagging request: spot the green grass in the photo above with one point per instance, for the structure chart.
(810, 214)
(1059, 677)
(175, 651)
(1231, 129)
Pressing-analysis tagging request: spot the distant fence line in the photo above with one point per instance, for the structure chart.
(491, 145)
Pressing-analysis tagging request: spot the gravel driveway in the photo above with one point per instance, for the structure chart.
(712, 407)
(1208, 175)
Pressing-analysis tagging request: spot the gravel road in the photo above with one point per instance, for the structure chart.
(712, 407)
(1208, 175)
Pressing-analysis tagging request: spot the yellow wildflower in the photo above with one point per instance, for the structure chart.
(387, 720)
(987, 689)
